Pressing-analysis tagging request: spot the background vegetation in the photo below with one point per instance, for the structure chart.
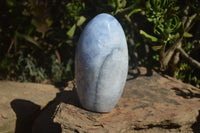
(38, 37)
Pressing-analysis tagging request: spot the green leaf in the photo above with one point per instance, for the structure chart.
(71, 31)
(154, 2)
(41, 26)
(188, 35)
(68, 68)
(29, 39)
(112, 3)
(181, 29)
(10, 3)
(171, 36)
(122, 3)
(49, 21)
(150, 19)
(81, 21)
(156, 57)
(69, 63)
(4, 64)
(148, 5)
(147, 36)
(134, 11)
(164, 2)
(155, 48)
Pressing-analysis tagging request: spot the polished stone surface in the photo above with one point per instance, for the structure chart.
(101, 63)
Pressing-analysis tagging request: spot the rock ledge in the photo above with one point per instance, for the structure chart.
(151, 104)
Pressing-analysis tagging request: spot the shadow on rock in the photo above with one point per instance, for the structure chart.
(26, 112)
(185, 93)
(44, 122)
(134, 72)
(132, 75)
(196, 126)
(31, 118)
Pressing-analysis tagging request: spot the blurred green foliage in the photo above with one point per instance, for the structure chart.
(38, 37)
(175, 24)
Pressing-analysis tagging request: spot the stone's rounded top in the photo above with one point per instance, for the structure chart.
(102, 32)
(107, 21)
(104, 21)
(104, 16)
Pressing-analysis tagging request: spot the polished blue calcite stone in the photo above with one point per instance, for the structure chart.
(101, 63)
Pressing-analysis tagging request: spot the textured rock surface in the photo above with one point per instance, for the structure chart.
(20, 103)
(101, 63)
(149, 104)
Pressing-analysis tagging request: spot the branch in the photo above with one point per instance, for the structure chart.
(11, 45)
(184, 19)
(162, 57)
(169, 53)
(188, 58)
(190, 20)
(175, 60)
(58, 56)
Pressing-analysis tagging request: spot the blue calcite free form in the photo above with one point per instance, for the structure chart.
(101, 64)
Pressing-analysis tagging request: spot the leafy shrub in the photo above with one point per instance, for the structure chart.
(171, 21)
(38, 39)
